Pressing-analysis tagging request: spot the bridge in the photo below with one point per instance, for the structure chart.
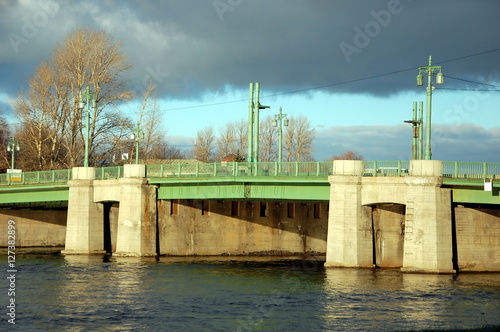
(243, 180)
(420, 215)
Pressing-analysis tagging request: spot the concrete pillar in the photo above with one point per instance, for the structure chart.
(84, 228)
(428, 236)
(349, 240)
(136, 233)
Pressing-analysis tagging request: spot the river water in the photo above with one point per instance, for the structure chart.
(81, 293)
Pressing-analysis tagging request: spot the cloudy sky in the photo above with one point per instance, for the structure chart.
(348, 65)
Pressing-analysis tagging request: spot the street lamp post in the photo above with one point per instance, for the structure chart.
(254, 108)
(430, 69)
(137, 136)
(12, 147)
(86, 99)
(278, 122)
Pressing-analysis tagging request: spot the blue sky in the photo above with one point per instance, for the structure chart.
(349, 66)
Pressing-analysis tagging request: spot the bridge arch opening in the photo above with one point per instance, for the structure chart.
(388, 225)
(110, 225)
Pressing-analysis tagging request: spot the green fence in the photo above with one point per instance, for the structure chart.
(54, 176)
(451, 169)
(297, 169)
(471, 170)
(386, 168)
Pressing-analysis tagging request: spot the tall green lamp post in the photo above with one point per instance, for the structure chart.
(12, 147)
(429, 70)
(280, 119)
(139, 134)
(87, 99)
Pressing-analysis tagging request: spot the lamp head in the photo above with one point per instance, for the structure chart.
(439, 78)
(420, 80)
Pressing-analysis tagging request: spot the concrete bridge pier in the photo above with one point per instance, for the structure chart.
(349, 240)
(137, 216)
(135, 229)
(426, 224)
(428, 244)
(84, 227)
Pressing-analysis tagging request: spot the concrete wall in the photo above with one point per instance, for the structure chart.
(478, 238)
(221, 230)
(427, 245)
(388, 237)
(34, 228)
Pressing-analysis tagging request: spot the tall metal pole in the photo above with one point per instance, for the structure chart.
(256, 124)
(439, 80)
(280, 137)
(137, 145)
(12, 146)
(420, 128)
(414, 127)
(86, 99)
(250, 124)
(278, 118)
(428, 153)
(414, 145)
(87, 128)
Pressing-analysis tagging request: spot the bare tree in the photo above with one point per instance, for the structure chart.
(298, 138)
(226, 142)
(50, 113)
(149, 126)
(4, 137)
(203, 149)
(348, 155)
(268, 140)
(241, 129)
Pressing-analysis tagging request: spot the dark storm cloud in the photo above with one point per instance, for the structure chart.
(191, 46)
(459, 142)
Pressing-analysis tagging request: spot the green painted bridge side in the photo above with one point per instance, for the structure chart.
(472, 191)
(259, 181)
(248, 188)
(34, 194)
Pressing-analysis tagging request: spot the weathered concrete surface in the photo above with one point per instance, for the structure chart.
(34, 228)
(427, 243)
(349, 224)
(237, 228)
(478, 238)
(388, 229)
(84, 230)
(133, 233)
(136, 231)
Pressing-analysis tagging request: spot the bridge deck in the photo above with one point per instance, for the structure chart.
(242, 180)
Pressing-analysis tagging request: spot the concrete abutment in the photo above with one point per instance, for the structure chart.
(355, 234)
(132, 233)
(404, 222)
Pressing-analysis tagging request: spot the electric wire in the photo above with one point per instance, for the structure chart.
(351, 81)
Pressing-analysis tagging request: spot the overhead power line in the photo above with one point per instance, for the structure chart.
(346, 82)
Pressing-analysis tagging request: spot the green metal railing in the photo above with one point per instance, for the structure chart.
(471, 170)
(297, 169)
(106, 173)
(53, 176)
(386, 168)
(451, 169)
